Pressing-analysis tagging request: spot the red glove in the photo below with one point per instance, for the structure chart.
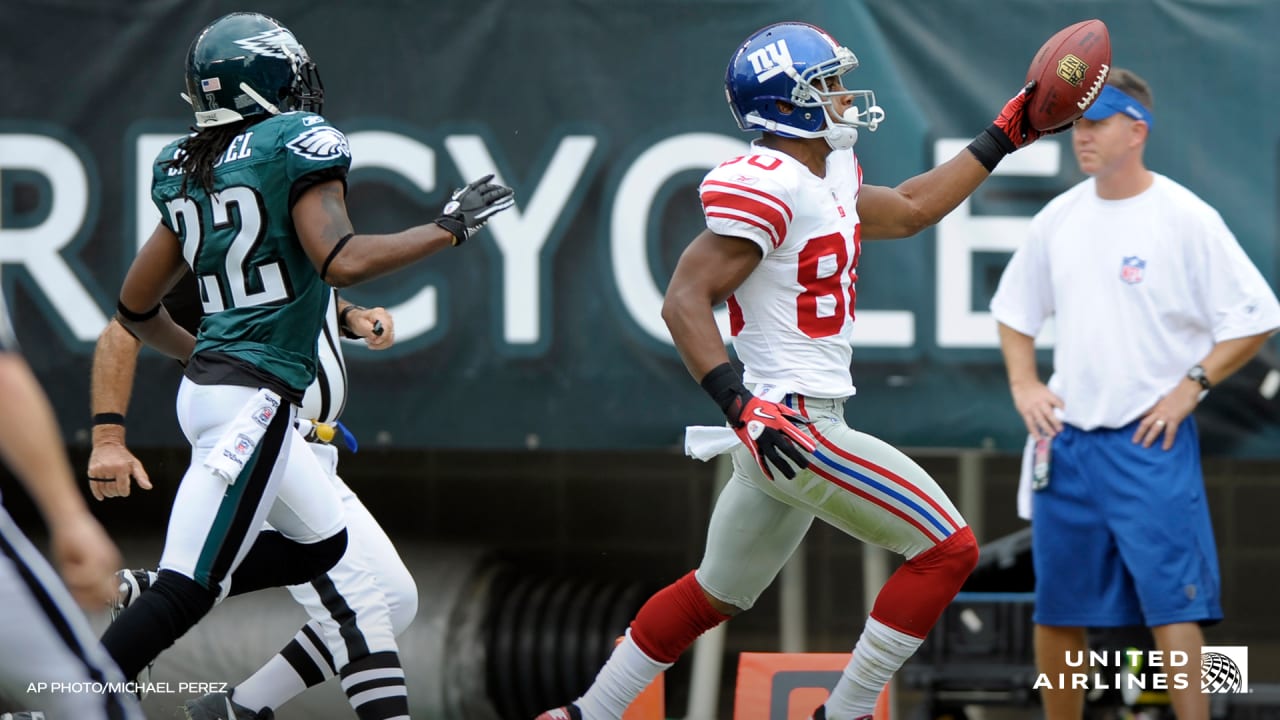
(769, 430)
(1009, 131)
(1012, 120)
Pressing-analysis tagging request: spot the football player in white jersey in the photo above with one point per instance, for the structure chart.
(50, 660)
(1154, 302)
(358, 606)
(785, 225)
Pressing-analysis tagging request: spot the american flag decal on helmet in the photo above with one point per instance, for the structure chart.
(210, 84)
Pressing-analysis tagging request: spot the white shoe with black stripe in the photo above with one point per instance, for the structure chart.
(132, 584)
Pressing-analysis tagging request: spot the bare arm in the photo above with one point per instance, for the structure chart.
(1229, 356)
(925, 199)
(1033, 399)
(158, 266)
(709, 270)
(902, 211)
(320, 218)
(111, 466)
(32, 447)
(1222, 361)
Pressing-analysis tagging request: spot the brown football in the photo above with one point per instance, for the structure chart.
(1070, 70)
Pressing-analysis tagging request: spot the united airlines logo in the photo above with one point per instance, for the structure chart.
(320, 143)
(770, 60)
(1131, 269)
(1224, 669)
(276, 43)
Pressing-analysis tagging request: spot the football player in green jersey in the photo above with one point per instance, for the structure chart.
(254, 203)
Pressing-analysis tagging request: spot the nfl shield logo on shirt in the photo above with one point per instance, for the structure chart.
(1131, 269)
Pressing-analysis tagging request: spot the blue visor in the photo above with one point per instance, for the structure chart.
(1113, 100)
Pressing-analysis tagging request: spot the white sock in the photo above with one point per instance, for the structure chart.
(879, 653)
(273, 685)
(627, 673)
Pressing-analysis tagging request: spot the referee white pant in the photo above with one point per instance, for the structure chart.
(369, 597)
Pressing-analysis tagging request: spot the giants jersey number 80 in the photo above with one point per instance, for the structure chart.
(792, 319)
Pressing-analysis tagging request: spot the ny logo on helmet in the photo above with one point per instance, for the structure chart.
(276, 43)
(770, 60)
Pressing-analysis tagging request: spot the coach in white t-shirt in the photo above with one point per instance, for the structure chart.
(1154, 302)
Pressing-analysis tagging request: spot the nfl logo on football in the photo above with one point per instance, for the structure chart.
(1224, 669)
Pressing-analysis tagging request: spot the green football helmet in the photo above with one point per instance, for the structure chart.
(247, 64)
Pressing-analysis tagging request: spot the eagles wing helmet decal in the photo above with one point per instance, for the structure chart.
(272, 43)
(320, 143)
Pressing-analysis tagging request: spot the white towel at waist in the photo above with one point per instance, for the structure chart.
(707, 441)
(227, 458)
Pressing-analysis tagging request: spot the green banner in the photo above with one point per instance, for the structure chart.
(544, 331)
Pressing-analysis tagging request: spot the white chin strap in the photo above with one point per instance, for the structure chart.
(842, 137)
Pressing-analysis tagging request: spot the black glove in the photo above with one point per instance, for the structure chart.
(470, 207)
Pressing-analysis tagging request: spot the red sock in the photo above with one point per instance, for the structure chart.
(916, 594)
(673, 618)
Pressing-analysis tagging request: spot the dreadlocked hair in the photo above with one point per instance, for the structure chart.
(198, 152)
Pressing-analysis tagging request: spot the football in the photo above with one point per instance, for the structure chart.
(1070, 70)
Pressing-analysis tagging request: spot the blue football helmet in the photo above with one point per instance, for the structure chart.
(789, 62)
(248, 64)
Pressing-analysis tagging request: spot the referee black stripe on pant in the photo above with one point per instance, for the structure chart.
(60, 618)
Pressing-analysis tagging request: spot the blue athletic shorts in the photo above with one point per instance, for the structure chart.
(1121, 535)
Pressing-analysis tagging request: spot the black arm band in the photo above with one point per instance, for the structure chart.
(132, 316)
(724, 385)
(990, 147)
(324, 269)
(343, 327)
(107, 419)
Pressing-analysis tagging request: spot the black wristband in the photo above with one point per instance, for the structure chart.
(455, 228)
(724, 385)
(990, 147)
(108, 419)
(343, 327)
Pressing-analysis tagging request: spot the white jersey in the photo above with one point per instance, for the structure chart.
(792, 319)
(1140, 290)
(326, 396)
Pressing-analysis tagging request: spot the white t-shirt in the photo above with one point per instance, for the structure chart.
(1140, 290)
(792, 318)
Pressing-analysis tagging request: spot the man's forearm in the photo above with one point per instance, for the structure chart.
(1229, 356)
(115, 361)
(1019, 352)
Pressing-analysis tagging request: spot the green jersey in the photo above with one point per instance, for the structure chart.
(263, 300)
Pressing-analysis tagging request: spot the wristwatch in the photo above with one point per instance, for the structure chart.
(1196, 374)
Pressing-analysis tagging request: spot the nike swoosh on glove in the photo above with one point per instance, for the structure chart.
(771, 431)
